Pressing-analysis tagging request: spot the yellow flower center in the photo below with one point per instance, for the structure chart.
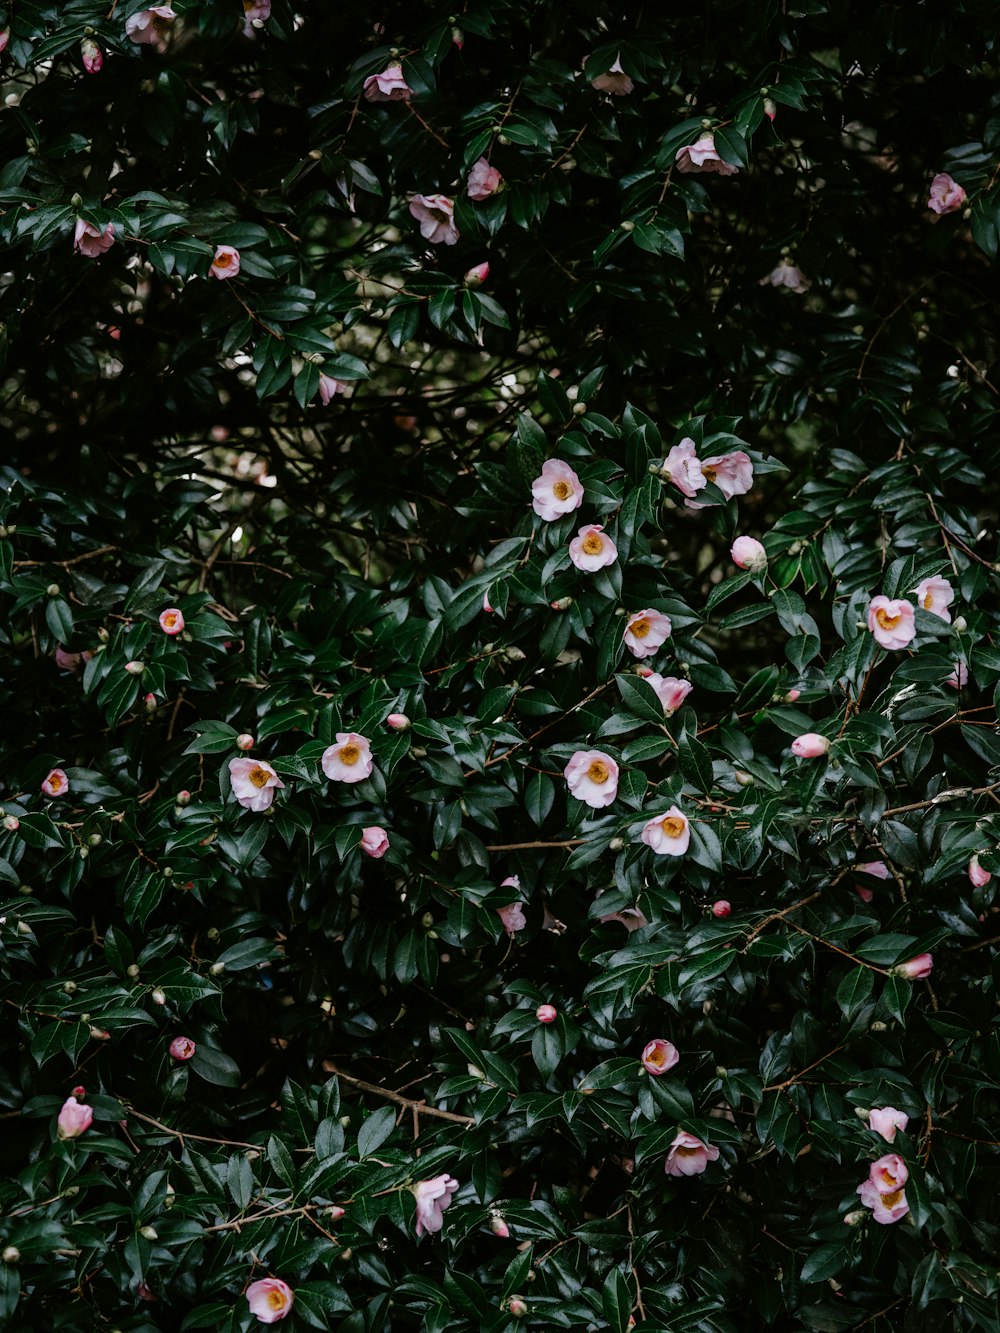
(673, 826)
(223, 261)
(887, 1176)
(598, 772)
(277, 1300)
(562, 490)
(928, 601)
(55, 783)
(439, 215)
(687, 1152)
(885, 620)
(349, 754)
(890, 1200)
(656, 1058)
(709, 472)
(640, 628)
(259, 777)
(592, 544)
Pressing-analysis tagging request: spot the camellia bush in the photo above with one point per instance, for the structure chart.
(500, 646)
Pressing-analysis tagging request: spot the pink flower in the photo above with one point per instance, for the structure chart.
(892, 622)
(615, 81)
(749, 553)
(499, 1227)
(254, 783)
(486, 604)
(593, 778)
(721, 908)
(915, 969)
(546, 1013)
(787, 275)
(398, 722)
(885, 1120)
(770, 110)
(670, 691)
(590, 551)
(244, 741)
(270, 1299)
(375, 842)
(182, 1048)
(93, 241)
(683, 467)
(979, 877)
(171, 620)
(810, 745)
(557, 491)
(947, 196)
(935, 595)
(93, 59)
(791, 696)
(688, 1156)
(4, 39)
(889, 1173)
(150, 26)
(74, 1119)
(885, 1208)
(512, 917)
(668, 834)
(732, 473)
(389, 86)
(70, 661)
(876, 868)
(484, 180)
(328, 387)
(56, 784)
(477, 275)
(226, 263)
(256, 11)
(959, 678)
(645, 631)
(350, 760)
(701, 156)
(658, 1056)
(433, 1197)
(436, 215)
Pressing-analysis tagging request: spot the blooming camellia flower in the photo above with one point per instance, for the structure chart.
(947, 196)
(484, 180)
(593, 777)
(732, 473)
(150, 26)
(959, 678)
(669, 834)
(92, 56)
(886, 1120)
(171, 620)
(645, 631)
(270, 1299)
(433, 1197)
(93, 241)
(670, 691)
(226, 263)
(810, 745)
(935, 595)
(683, 467)
(328, 387)
(477, 275)
(614, 81)
(546, 1013)
(73, 1119)
(787, 275)
(885, 1208)
(749, 553)
(915, 969)
(374, 842)
(254, 783)
(56, 784)
(688, 1155)
(350, 760)
(389, 86)
(557, 491)
(979, 876)
(701, 156)
(658, 1056)
(182, 1048)
(891, 622)
(590, 551)
(889, 1173)
(436, 215)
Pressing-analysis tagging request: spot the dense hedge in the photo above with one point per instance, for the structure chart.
(500, 773)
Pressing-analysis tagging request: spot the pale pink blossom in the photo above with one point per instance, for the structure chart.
(74, 1119)
(171, 620)
(484, 180)
(546, 1013)
(682, 466)
(226, 263)
(56, 783)
(658, 1056)
(702, 156)
(557, 491)
(270, 1299)
(688, 1155)
(254, 783)
(93, 241)
(256, 11)
(787, 275)
(885, 1208)
(70, 661)
(646, 631)
(749, 553)
(979, 876)
(959, 678)
(891, 622)
(935, 595)
(614, 81)
(436, 215)
(810, 745)
(947, 196)
(877, 868)
(182, 1048)
(349, 760)
(433, 1197)
(389, 86)
(886, 1120)
(915, 969)
(670, 691)
(328, 387)
(721, 908)
(150, 26)
(889, 1173)
(92, 56)
(668, 834)
(477, 275)
(398, 722)
(374, 842)
(244, 741)
(732, 473)
(512, 917)
(590, 550)
(593, 778)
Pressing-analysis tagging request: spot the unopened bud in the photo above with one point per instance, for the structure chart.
(132, 970)
(23, 928)
(743, 778)
(514, 654)
(335, 1212)
(83, 853)
(721, 908)
(960, 624)
(627, 226)
(561, 604)
(69, 987)
(183, 798)
(616, 844)
(855, 1218)
(546, 1013)
(579, 409)
(158, 996)
(770, 110)
(11, 823)
(398, 722)
(11, 1254)
(499, 1227)
(149, 700)
(217, 969)
(517, 1306)
(458, 37)
(477, 275)
(135, 668)
(244, 741)
(149, 1233)
(99, 1034)
(103, 634)
(93, 60)
(53, 589)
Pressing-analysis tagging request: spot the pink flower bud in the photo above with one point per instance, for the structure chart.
(183, 798)
(721, 908)
(375, 842)
(93, 60)
(135, 668)
(73, 1119)
(398, 722)
(244, 741)
(79, 1090)
(458, 37)
(477, 275)
(791, 696)
(810, 745)
(978, 876)
(499, 1227)
(561, 604)
(770, 110)
(517, 1307)
(149, 701)
(915, 969)
(11, 823)
(546, 1013)
(748, 553)
(182, 1048)
(171, 620)
(486, 603)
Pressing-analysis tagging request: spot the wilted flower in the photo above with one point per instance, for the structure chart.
(668, 834)
(171, 620)
(670, 691)
(590, 550)
(226, 263)
(688, 1155)
(92, 56)
(328, 387)
(947, 196)
(885, 1208)
(979, 877)
(886, 1120)
(593, 778)
(477, 275)
(810, 745)
(658, 1056)
(56, 783)
(389, 86)
(374, 842)
(484, 180)
(433, 1197)
(254, 783)
(787, 275)
(436, 215)
(70, 661)
(512, 917)
(891, 622)
(557, 491)
(702, 156)
(73, 1119)
(935, 595)
(350, 760)
(546, 1013)
(915, 969)
(270, 1299)
(614, 81)
(182, 1048)
(150, 26)
(748, 553)
(646, 631)
(93, 241)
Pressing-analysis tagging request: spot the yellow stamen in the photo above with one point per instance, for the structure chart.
(349, 754)
(259, 777)
(592, 544)
(687, 1152)
(890, 1200)
(562, 490)
(276, 1300)
(641, 628)
(673, 826)
(709, 472)
(598, 772)
(885, 620)
(928, 601)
